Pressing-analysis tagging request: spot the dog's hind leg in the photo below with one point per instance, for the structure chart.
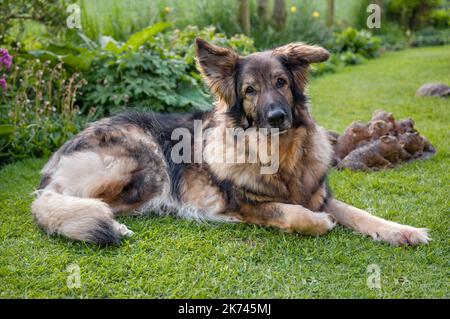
(85, 190)
(68, 203)
(376, 227)
(86, 219)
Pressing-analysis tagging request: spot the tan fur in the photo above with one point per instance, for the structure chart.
(291, 218)
(356, 133)
(378, 128)
(217, 66)
(382, 153)
(89, 174)
(403, 126)
(377, 228)
(202, 193)
(302, 55)
(73, 217)
(117, 166)
(413, 143)
(382, 115)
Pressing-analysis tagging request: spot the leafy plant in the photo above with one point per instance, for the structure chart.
(440, 18)
(153, 69)
(358, 42)
(148, 78)
(39, 110)
(430, 37)
(116, 18)
(181, 43)
(330, 66)
(413, 14)
(304, 24)
(16, 15)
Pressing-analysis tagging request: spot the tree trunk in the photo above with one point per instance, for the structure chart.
(263, 10)
(330, 13)
(381, 4)
(244, 16)
(279, 14)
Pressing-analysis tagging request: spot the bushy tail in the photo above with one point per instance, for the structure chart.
(83, 219)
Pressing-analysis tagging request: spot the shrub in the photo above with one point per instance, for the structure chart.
(19, 16)
(181, 43)
(149, 78)
(161, 75)
(358, 42)
(351, 58)
(351, 47)
(430, 37)
(303, 24)
(413, 14)
(393, 36)
(40, 108)
(440, 18)
(330, 66)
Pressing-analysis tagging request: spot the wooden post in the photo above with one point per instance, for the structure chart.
(244, 16)
(263, 10)
(279, 14)
(381, 4)
(330, 13)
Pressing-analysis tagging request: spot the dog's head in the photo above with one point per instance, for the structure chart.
(263, 90)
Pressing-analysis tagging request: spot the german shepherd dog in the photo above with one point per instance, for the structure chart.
(123, 164)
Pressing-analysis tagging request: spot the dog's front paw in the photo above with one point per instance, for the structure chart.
(402, 235)
(323, 224)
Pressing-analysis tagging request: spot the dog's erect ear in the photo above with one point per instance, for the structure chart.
(218, 67)
(298, 56)
(300, 53)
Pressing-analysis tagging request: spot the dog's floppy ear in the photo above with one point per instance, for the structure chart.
(298, 56)
(218, 67)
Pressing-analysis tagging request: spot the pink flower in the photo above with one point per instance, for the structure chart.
(5, 58)
(3, 82)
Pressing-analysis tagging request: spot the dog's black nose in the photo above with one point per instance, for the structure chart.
(276, 117)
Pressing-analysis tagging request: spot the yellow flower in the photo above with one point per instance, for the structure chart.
(167, 9)
(316, 14)
(293, 9)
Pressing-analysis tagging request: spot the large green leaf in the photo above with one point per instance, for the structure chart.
(189, 94)
(91, 45)
(6, 129)
(109, 44)
(62, 49)
(80, 62)
(139, 38)
(42, 55)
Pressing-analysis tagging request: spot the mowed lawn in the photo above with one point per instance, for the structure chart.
(172, 258)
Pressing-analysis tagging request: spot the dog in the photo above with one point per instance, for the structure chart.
(124, 164)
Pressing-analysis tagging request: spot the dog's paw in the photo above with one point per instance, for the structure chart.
(323, 224)
(402, 235)
(124, 231)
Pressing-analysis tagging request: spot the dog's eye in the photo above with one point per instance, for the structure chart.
(280, 82)
(250, 90)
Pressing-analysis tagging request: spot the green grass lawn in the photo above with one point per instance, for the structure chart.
(169, 258)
